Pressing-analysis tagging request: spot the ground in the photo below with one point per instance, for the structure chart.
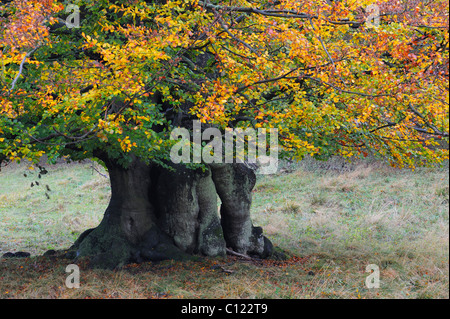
(333, 219)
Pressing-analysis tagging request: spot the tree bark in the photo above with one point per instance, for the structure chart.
(156, 214)
(234, 183)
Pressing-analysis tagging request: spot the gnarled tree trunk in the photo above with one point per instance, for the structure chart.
(156, 213)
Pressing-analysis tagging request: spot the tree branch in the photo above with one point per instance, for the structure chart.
(427, 124)
(326, 50)
(225, 27)
(271, 13)
(21, 68)
(346, 91)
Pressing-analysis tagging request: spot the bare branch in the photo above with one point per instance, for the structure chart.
(246, 257)
(271, 13)
(326, 51)
(427, 124)
(21, 68)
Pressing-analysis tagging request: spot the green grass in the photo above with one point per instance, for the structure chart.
(335, 218)
(32, 222)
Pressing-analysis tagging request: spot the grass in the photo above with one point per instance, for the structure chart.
(334, 219)
(35, 223)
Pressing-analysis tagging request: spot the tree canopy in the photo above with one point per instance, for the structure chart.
(334, 77)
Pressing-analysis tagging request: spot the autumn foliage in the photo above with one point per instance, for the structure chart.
(321, 72)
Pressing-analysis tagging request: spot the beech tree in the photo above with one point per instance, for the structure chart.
(110, 81)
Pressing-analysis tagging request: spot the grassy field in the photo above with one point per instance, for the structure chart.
(333, 219)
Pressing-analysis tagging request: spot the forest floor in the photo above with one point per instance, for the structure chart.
(333, 219)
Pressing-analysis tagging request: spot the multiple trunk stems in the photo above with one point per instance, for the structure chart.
(156, 214)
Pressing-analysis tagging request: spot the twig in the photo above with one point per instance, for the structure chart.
(95, 169)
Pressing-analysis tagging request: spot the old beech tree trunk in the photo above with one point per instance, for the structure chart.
(156, 214)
